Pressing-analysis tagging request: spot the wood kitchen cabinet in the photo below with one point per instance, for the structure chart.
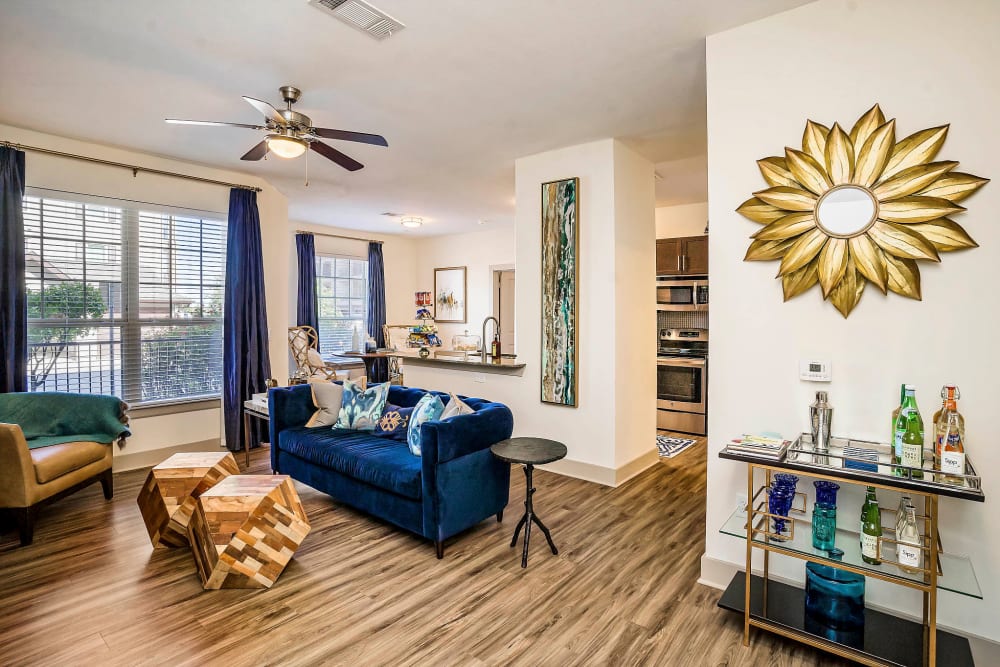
(686, 256)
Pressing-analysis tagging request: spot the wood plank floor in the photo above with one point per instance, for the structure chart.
(622, 591)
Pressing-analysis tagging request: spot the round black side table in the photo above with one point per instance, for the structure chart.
(529, 452)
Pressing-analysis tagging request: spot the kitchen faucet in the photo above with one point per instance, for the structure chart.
(496, 331)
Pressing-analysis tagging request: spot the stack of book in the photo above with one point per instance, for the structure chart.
(761, 446)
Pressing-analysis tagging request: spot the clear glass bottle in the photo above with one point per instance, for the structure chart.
(909, 555)
(953, 450)
(904, 502)
(871, 528)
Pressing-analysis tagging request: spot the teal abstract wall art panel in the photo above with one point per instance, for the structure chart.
(560, 277)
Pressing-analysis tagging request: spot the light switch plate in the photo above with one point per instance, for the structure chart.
(815, 371)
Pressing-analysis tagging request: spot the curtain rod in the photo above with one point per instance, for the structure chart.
(337, 236)
(135, 168)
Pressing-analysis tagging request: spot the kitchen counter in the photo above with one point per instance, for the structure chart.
(459, 361)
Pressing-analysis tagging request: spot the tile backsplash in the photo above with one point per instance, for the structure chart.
(681, 320)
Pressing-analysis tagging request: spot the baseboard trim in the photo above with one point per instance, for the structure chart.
(591, 472)
(636, 466)
(151, 457)
(717, 574)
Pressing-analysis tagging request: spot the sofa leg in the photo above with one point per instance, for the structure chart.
(500, 516)
(439, 547)
(24, 517)
(108, 484)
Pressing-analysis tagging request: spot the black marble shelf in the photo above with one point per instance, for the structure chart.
(888, 639)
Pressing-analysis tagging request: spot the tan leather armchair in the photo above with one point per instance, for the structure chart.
(32, 478)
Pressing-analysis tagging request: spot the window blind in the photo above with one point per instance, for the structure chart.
(124, 298)
(341, 299)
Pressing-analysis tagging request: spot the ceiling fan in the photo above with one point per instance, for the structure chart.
(290, 133)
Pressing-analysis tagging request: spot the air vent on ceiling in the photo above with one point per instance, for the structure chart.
(361, 15)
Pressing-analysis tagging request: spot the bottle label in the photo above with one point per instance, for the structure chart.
(897, 442)
(909, 555)
(953, 463)
(869, 545)
(913, 456)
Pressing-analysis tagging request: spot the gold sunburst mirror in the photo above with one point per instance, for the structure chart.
(857, 207)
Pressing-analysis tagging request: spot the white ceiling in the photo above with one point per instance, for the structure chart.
(462, 92)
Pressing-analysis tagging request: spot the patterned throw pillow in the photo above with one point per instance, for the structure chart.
(362, 408)
(428, 408)
(393, 422)
(455, 407)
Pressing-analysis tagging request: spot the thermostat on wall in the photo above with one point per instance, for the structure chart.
(815, 371)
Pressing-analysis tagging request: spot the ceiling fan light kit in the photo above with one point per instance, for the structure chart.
(286, 147)
(290, 133)
(411, 222)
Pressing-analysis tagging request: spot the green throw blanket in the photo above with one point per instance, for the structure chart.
(51, 418)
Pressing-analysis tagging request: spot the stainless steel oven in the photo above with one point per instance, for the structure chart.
(690, 295)
(682, 380)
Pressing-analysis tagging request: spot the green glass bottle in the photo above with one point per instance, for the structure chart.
(871, 528)
(913, 436)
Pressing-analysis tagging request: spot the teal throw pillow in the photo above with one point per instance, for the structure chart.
(362, 408)
(428, 408)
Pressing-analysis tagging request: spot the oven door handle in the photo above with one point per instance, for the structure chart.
(693, 363)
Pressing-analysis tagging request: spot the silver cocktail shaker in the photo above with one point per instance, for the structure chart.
(820, 416)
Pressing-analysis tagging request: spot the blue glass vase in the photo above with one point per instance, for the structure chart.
(824, 517)
(835, 598)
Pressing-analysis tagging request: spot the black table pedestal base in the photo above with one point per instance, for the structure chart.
(529, 518)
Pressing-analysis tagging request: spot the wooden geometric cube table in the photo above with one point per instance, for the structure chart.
(170, 494)
(245, 529)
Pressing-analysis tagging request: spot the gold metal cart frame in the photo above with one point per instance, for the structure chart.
(801, 458)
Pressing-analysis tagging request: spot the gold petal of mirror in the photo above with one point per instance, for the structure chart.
(857, 207)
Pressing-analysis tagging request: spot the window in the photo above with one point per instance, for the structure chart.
(123, 299)
(341, 299)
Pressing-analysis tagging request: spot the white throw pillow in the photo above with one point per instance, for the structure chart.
(327, 397)
(315, 360)
(455, 407)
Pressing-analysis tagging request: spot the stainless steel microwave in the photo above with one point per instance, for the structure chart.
(681, 294)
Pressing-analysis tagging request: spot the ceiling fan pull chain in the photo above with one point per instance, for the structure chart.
(307, 168)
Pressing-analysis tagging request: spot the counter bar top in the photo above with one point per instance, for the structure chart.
(458, 360)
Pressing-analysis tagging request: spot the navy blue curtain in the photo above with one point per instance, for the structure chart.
(376, 307)
(305, 310)
(245, 359)
(13, 295)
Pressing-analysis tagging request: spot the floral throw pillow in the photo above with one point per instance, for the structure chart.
(428, 408)
(362, 408)
(393, 422)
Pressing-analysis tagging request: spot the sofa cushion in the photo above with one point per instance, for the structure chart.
(57, 460)
(381, 462)
(394, 422)
(361, 407)
(429, 408)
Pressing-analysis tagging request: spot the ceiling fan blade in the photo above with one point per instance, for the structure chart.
(214, 123)
(257, 152)
(269, 112)
(347, 135)
(331, 153)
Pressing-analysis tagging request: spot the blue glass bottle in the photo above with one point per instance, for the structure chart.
(824, 518)
(835, 598)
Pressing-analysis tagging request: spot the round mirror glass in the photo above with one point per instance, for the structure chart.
(846, 211)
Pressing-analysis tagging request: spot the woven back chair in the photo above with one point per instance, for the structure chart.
(302, 341)
(396, 336)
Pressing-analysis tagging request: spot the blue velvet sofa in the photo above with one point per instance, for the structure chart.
(455, 484)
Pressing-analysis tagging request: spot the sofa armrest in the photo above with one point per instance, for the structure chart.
(288, 407)
(16, 468)
(465, 434)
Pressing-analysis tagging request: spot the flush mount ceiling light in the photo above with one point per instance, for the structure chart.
(411, 222)
(286, 147)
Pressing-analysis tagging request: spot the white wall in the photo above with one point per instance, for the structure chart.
(398, 256)
(926, 63)
(477, 251)
(682, 220)
(45, 171)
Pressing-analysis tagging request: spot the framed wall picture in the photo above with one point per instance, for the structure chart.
(560, 278)
(449, 295)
